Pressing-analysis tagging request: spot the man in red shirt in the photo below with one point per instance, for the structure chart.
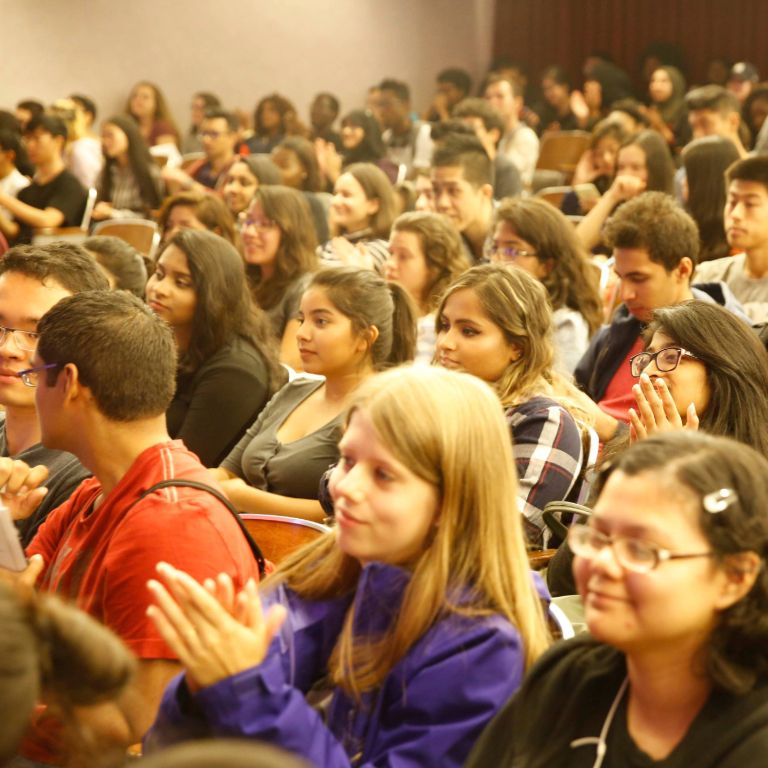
(104, 374)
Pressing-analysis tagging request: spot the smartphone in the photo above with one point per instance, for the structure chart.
(12, 556)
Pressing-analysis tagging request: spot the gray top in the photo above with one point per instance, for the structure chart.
(290, 469)
(752, 292)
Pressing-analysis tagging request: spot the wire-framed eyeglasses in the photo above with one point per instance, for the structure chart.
(26, 340)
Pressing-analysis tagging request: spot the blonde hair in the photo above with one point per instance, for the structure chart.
(448, 428)
(518, 304)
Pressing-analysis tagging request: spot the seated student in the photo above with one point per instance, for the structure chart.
(654, 248)
(323, 112)
(191, 210)
(715, 111)
(667, 108)
(148, 107)
(351, 323)
(518, 143)
(26, 110)
(279, 251)
(742, 79)
(705, 162)
(496, 324)
(130, 185)
(219, 135)
(82, 154)
(630, 114)
(746, 227)
(643, 164)
(488, 126)
(534, 236)
(296, 159)
(754, 112)
(201, 102)
(104, 374)
(419, 610)
(453, 85)
(227, 368)
(662, 679)
(32, 280)
(462, 190)
(269, 124)
(121, 263)
(55, 198)
(360, 219)
(555, 113)
(87, 671)
(12, 179)
(425, 257)
(244, 178)
(407, 141)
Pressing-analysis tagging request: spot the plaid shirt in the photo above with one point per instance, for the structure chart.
(548, 452)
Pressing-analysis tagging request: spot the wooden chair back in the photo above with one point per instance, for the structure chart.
(142, 234)
(561, 151)
(279, 536)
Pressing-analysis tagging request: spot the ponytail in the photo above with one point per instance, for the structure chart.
(404, 318)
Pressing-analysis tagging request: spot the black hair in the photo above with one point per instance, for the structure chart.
(458, 77)
(371, 147)
(11, 142)
(121, 260)
(87, 104)
(397, 87)
(48, 123)
(468, 153)
(215, 113)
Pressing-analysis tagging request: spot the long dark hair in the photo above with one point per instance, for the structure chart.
(371, 147)
(11, 142)
(223, 310)
(736, 363)
(705, 161)
(658, 161)
(140, 162)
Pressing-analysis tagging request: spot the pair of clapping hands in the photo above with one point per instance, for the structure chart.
(656, 410)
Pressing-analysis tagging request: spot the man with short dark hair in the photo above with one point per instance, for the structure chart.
(408, 142)
(322, 115)
(462, 189)
(104, 374)
(746, 227)
(55, 198)
(32, 280)
(654, 244)
(453, 86)
(742, 80)
(519, 143)
(715, 111)
(488, 126)
(219, 136)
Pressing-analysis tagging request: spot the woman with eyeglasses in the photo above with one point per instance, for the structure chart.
(674, 672)
(279, 250)
(534, 236)
(496, 324)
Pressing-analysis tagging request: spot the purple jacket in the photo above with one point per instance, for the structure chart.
(428, 712)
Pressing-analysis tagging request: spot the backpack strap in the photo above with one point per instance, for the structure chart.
(255, 549)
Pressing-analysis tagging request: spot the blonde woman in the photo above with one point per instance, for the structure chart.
(419, 607)
(496, 323)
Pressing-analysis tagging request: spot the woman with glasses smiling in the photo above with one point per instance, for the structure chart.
(534, 236)
(672, 572)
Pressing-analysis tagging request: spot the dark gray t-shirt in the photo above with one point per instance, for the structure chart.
(65, 473)
(289, 469)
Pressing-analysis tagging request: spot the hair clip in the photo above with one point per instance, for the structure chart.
(719, 501)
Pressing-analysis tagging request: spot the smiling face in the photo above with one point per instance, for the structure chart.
(687, 383)
(647, 611)
(170, 291)
(468, 340)
(505, 237)
(746, 215)
(23, 301)
(261, 239)
(328, 344)
(384, 512)
(240, 186)
(351, 135)
(351, 210)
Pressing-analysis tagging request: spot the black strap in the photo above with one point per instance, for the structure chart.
(255, 549)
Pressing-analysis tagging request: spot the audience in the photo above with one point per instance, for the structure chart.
(534, 236)
(54, 198)
(667, 110)
(227, 367)
(496, 324)
(270, 123)
(351, 323)
(130, 185)
(423, 613)
(660, 677)
(453, 85)
(191, 210)
(715, 111)
(82, 154)
(323, 113)
(425, 257)
(746, 227)
(121, 263)
(201, 102)
(147, 106)
(12, 179)
(244, 178)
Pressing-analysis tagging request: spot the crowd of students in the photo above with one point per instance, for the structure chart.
(383, 328)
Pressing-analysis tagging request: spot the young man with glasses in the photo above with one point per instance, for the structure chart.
(32, 280)
(654, 246)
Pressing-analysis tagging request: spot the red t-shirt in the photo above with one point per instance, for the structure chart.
(618, 397)
(102, 560)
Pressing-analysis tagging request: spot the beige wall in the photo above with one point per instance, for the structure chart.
(239, 49)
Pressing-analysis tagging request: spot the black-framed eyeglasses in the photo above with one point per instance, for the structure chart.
(666, 359)
(633, 554)
(26, 340)
(31, 376)
(507, 252)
